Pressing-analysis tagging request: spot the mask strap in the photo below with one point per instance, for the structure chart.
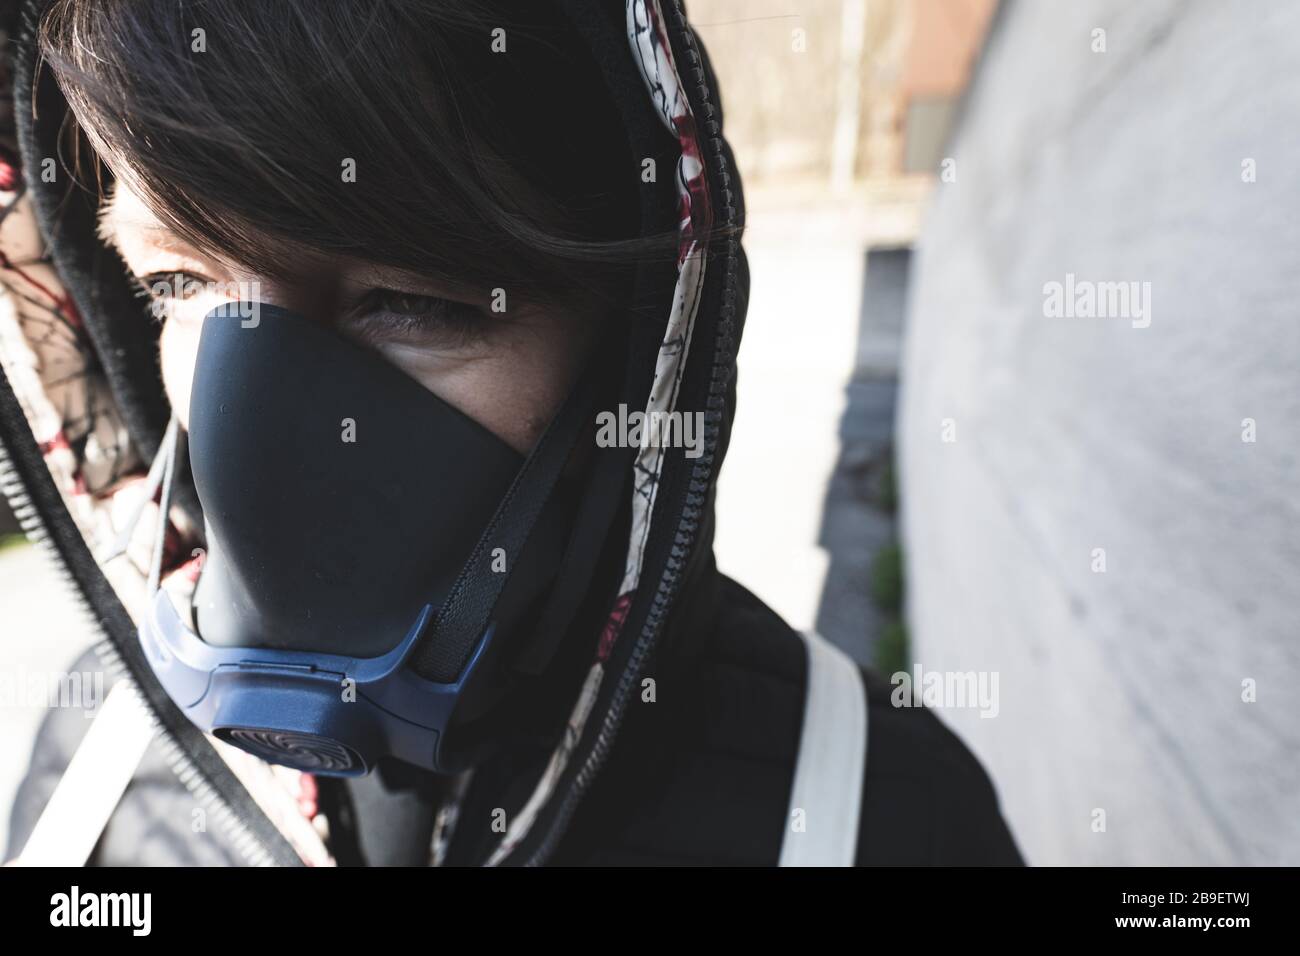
(606, 490)
(168, 479)
(464, 616)
(157, 473)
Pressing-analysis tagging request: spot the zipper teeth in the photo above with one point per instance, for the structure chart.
(697, 493)
(29, 519)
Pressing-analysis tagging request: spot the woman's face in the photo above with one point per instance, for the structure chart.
(509, 371)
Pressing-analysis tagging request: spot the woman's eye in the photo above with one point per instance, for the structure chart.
(405, 303)
(166, 290)
(387, 316)
(164, 286)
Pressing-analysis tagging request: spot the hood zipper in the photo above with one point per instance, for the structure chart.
(253, 851)
(700, 482)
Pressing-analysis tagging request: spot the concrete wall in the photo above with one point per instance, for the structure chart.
(1122, 690)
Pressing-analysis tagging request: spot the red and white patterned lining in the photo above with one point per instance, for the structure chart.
(648, 37)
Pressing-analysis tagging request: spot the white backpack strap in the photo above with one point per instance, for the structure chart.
(826, 799)
(94, 782)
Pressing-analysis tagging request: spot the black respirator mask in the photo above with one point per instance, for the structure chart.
(374, 556)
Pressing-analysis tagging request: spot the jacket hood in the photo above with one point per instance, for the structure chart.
(83, 412)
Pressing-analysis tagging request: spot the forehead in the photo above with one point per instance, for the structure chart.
(127, 224)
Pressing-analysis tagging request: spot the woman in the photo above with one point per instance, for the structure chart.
(404, 255)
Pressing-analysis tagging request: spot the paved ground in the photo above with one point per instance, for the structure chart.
(796, 520)
(857, 520)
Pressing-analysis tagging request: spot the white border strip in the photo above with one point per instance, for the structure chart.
(826, 798)
(93, 784)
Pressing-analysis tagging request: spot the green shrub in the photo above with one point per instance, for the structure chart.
(887, 579)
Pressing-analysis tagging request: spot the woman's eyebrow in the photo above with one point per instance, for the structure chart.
(112, 223)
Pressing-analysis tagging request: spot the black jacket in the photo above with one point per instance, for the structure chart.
(701, 774)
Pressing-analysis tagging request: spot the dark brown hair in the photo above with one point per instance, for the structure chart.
(476, 168)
